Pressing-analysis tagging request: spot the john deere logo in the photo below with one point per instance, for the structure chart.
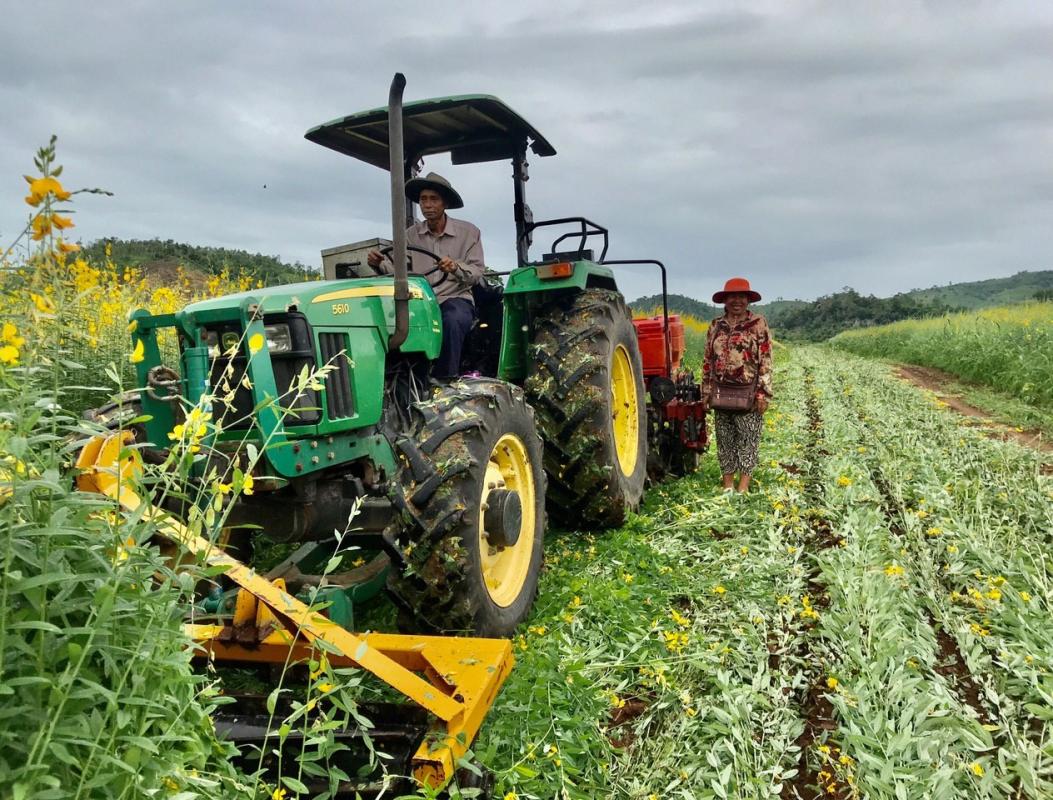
(230, 340)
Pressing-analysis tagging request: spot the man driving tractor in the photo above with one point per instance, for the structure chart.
(460, 250)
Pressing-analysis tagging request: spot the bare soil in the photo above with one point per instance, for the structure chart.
(937, 381)
(166, 273)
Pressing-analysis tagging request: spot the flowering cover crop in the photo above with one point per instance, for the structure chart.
(1009, 347)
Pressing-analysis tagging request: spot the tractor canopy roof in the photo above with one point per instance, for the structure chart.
(470, 127)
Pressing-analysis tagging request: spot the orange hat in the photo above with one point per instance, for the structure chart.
(736, 285)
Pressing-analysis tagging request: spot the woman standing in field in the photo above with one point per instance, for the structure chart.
(736, 380)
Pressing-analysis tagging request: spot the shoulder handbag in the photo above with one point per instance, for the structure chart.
(733, 396)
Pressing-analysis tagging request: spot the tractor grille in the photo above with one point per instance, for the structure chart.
(232, 391)
(338, 399)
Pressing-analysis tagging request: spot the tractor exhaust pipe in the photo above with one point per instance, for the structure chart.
(397, 167)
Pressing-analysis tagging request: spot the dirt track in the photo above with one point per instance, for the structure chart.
(937, 382)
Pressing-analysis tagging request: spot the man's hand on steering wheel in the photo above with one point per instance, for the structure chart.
(440, 261)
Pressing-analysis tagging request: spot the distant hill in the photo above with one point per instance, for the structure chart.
(164, 256)
(831, 314)
(993, 292)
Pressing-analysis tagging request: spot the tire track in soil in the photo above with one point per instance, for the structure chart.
(937, 382)
(815, 707)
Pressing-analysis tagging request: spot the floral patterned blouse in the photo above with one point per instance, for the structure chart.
(738, 354)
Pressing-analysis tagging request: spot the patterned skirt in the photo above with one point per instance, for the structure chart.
(738, 440)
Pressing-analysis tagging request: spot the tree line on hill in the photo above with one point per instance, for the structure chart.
(208, 260)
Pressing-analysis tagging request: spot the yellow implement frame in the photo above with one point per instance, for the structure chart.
(461, 676)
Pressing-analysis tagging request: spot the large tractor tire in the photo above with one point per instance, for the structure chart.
(471, 495)
(586, 383)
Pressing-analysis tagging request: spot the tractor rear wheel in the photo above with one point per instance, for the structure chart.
(586, 382)
(471, 495)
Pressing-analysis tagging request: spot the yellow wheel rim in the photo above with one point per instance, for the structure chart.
(505, 569)
(625, 411)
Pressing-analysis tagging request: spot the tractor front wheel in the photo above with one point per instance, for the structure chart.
(471, 494)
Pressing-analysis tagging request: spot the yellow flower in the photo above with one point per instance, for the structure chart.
(978, 771)
(627, 577)
(539, 630)
(278, 794)
(43, 303)
(9, 334)
(326, 687)
(39, 188)
(922, 513)
(9, 355)
(719, 590)
(674, 641)
(934, 531)
(139, 353)
(994, 594)
(679, 618)
(894, 569)
(952, 549)
(61, 222)
(1025, 596)
(844, 480)
(831, 682)
(247, 484)
(511, 796)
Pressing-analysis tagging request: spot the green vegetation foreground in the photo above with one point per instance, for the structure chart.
(872, 622)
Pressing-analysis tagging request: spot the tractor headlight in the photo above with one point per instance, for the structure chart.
(279, 338)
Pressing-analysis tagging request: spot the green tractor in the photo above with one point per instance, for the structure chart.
(446, 487)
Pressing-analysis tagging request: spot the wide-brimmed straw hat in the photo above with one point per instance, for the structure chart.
(736, 285)
(436, 183)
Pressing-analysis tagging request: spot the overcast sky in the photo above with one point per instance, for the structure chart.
(805, 145)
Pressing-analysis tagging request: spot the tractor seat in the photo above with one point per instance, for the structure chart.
(483, 343)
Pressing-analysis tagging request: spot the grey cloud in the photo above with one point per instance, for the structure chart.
(807, 145)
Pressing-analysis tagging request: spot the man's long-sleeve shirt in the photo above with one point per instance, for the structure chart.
(460, 241)
(738, 353)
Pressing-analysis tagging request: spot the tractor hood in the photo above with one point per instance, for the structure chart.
(358, 302)
(275, 299)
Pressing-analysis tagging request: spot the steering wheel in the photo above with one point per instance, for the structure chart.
(389, 249)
